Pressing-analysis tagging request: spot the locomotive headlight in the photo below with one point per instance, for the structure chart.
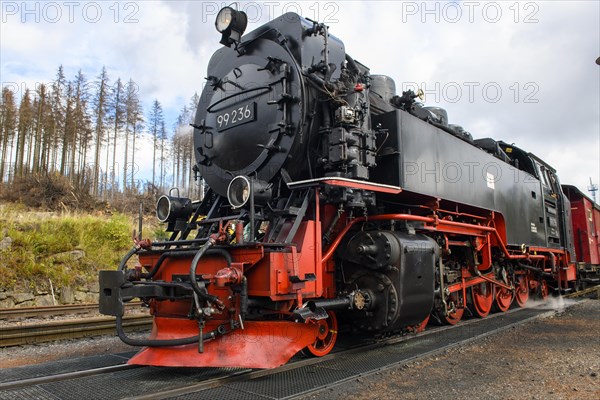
(238, 192)
(231, 24)
(224, 19)
(242, 189)
(169, 208)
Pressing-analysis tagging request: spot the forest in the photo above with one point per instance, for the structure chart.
(88, 137)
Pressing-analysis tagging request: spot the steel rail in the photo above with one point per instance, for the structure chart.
(43, 311)
(584, 292)
(16, 335)
(65, 376)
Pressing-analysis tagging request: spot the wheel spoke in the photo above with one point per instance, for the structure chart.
(522, 291)
(482, 299)
(326, 338)
(503, 299)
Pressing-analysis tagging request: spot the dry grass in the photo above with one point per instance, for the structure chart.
(66, 247)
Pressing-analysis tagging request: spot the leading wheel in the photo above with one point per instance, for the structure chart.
(521, 290)
(482, 298)
(326, 337)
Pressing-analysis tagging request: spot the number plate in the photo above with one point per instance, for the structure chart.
(236, 116)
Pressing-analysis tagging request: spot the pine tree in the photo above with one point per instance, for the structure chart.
(99, 114)
(163, 138)
(8, 124)
(155, 120)
(49, 130)
(174, 157)
(58, 117)
(39, 126)
(138, 126)
(178, 147)
(68, 131)
(81, 128)
(25, 125)
(118, 112)
(133, 116)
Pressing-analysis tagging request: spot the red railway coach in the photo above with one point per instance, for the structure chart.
(586, 234)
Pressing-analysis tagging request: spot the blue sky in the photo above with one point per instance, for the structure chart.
(521, 72)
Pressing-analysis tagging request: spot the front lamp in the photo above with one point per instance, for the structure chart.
(243, 189)
(231, 24)
(171, 209)
(238, 192)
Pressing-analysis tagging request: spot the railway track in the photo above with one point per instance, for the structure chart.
(47, 311)
(297, 378)
(588, 292)
(16, 335)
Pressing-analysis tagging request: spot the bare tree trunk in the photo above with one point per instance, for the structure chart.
(7, 128)
(25, 114)
(133, 158)
(118, 114)
(125, 158)
(38, 129)
(64, 159)
(99, 131)
(162, 154)
(105, 175)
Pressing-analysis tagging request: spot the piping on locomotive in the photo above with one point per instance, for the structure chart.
(332, 198)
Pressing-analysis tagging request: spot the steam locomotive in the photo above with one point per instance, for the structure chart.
(333, 199)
